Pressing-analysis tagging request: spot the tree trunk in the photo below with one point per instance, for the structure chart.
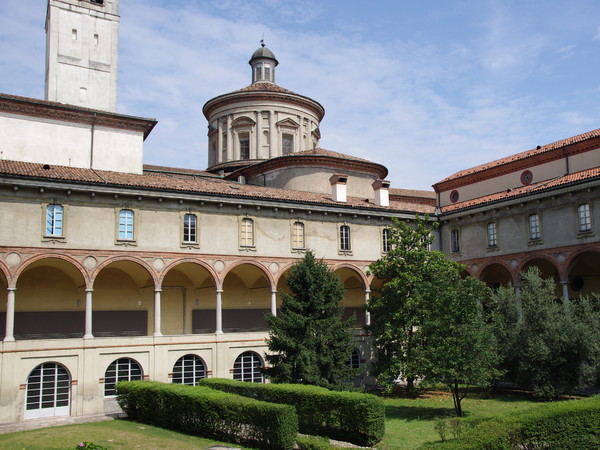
(456, 398)
(410, 385)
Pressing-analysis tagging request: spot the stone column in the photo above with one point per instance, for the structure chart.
(88, 314)
(298, 137)
(255, 152)
(565, 290)
(367, 313)
(274, 302)
(229, 139)
(272, 135)
(219, 142)
(9, 335)
(219, 311)
(157, 312)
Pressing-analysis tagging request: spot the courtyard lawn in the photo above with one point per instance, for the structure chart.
(409, 424)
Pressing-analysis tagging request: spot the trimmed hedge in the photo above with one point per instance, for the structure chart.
(346, 416)
(205, 412)
(572, 424)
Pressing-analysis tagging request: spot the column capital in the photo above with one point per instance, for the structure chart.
(89, 290)
(11, 289)
(219, 291)
(157, 290)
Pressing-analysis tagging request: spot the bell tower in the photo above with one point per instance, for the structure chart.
(82, 53)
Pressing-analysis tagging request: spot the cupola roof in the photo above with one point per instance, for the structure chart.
(263, 52)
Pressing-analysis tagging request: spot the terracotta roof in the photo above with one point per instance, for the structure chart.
(412, 193)
(324, 152)
(184, 183)
(573, 178)
(177, 171)
(263, 86)
(526, 154)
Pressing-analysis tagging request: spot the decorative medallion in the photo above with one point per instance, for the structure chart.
(274, 268)
(158, 264)
(454, 196)
(13, 259)
(90, 262)
(219, 266)
(526, 178)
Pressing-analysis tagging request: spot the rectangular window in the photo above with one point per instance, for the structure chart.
(247, 233)
(534, 227)
(189, 228)
(345, 238)
(287, 144)
(298, 235)
(126, 224)
(244, 146)
(455, 241)
(385, 236)
(585, 218)
(492, 237)
(54, 220)
(258, 74)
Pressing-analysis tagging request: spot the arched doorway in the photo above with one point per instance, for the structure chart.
(123, 300)
(547, 270)
(354, 295)
(246, 299)
(584, 274)
(188, 300)
(50, 301)
(48, 391)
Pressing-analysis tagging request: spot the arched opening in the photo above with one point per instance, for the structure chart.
(496, 275)
(123, 369)
(188, 370)
(247, 367)
(123, 300)
(246, 299)
(188, 300)
(354, 295)
(50, 301)
(584, 275)
(3, 301)
(547, 270)
(48, 391)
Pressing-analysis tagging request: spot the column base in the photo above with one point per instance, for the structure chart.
(88, 336)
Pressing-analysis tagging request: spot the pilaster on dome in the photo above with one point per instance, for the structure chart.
(263, 63)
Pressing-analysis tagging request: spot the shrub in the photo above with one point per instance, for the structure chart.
(348, 416)
(569, 424)
(209, 413)
(313, 443)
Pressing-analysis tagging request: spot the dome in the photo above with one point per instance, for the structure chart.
(263, 52)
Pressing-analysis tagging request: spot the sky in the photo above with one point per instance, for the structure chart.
(426, 88)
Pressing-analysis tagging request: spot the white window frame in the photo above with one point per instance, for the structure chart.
(188, 370)
(185, 238)
(386, 246)
(247, 234)
(121, 375)
(455, 240)
(584, 218)
(125, 240)
(247, 367)
(534, 224)
(344, 238)
(492, 234)
(56, 234)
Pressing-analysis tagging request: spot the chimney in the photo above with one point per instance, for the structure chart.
(382, 194)
(338, 187)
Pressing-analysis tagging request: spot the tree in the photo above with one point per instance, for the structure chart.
(311, 344)
(550, 346)
(429, 322)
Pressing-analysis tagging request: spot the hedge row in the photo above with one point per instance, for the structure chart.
(573, 424)
(209, 413)
(347, 416)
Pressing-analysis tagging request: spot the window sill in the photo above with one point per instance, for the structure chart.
(126, 242)
(345, 252)
(50, 238)
(298, 250)
(585, 234)
(534, 242)
(492, 248)
(247, 248)
(189, 245)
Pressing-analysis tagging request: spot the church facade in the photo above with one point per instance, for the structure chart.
(113, 269)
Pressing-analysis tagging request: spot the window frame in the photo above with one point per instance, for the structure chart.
(297, 243)
(134, 224)
(534, 229)
(240, 367)
(185, 243)
(455, 240)
(188, 367)
(108, 381)
(287, 137)
(587, 218)
(386, 245)
(243, 234)
(492, 237)
(46, 237)
(344, 241)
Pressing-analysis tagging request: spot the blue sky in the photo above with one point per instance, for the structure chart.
(426, 88)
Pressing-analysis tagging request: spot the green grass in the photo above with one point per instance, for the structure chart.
(409, 424)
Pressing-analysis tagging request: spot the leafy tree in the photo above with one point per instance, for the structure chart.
(428, 321)
(549, 346)
(309, 341)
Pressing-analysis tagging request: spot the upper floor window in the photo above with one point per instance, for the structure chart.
(386, 246)
(287, 144)
(190, 228)
(455, 241)
(345, 238)
(244, 146)
(247, 233)
(492, 235)
(258, 76)
(54, 220)
(534, 227)
(298, 235)
(126, 224)
(584, 218)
